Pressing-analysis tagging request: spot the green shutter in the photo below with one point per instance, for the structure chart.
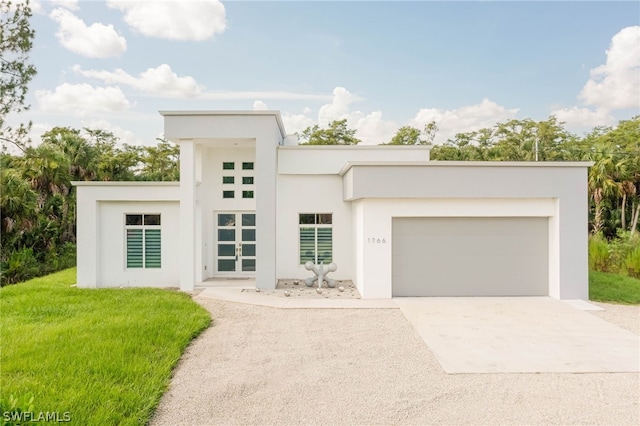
(325, 245)
(134, 248)
(152, 248)
(307, 245)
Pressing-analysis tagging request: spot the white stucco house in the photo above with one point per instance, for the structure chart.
(251, 202)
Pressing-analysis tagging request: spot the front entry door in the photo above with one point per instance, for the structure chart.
(235, 243)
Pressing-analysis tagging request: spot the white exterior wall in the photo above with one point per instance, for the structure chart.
(100, 228)
(374, 262)
(358, 235)
(112, 270)
(324, 159)
(312, 194)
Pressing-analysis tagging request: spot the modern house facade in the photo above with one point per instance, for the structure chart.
(251, 202)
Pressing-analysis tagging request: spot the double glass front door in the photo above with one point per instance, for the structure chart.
(236, 243)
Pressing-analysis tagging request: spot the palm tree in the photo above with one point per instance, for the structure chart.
(605, 178)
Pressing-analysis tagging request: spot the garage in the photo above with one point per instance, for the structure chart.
(470, 256)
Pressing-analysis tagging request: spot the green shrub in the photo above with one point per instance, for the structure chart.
(632, 263)
(619, 255)
(21, 265)
(620, 248)
(62, 258)
(599, 254)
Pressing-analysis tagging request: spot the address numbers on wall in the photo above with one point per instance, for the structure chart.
(377, 240)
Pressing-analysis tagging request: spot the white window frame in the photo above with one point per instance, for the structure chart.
(142, 227)
(314, 226)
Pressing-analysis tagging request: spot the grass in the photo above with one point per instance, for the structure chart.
(607, 287)
(104, 356)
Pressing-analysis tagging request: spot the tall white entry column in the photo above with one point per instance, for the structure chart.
(266, 175)
(187, 215)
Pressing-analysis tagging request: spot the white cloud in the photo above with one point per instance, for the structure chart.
(616, 84)
(463, 119)
(159, 81)
(371, 128)
(259, 106)
(248, 95)
(67, 4)
(174, 20)
(37, 130)
(294, 123)
(163, 81)
(94, 41)
(338, 109)
(584, 117)
(81, 99)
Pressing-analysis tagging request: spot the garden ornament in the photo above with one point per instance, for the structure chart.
(320, 275)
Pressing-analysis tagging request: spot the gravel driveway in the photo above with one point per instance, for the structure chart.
(268, 366)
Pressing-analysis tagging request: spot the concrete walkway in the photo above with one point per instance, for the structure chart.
(241, 295)
(488, 334)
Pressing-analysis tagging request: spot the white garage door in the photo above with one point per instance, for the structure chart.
(470, 256)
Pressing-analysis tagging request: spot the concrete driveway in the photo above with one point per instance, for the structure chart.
(261, 365)
(519, 335)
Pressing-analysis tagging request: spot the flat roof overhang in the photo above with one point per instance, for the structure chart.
(463, 179)
(207, 124)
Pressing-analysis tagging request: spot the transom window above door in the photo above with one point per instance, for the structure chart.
(238, 180)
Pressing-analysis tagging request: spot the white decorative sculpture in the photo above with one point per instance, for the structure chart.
(321, 275)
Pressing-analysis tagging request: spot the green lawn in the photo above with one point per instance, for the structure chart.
(606, 287)
(103, 356)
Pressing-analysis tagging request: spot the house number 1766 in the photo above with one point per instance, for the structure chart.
(376, 240)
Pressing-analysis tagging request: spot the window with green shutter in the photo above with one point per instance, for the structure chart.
(316, 238)
(134, 248)
(152, 248)
(143, 240)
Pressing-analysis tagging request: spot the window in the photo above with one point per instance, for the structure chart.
(143, 239)
(316, 237)
(238, 180)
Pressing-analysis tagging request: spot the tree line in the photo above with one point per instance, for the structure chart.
(613, 181)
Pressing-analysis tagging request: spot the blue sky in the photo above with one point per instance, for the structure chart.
(466, 65)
